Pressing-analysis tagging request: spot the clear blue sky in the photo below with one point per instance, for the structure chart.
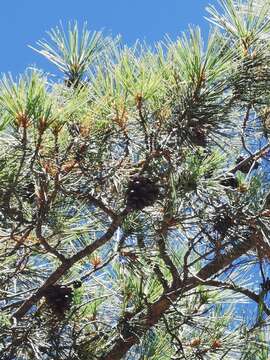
(23, 22)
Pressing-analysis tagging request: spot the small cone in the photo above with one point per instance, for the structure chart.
(198, 137)
(59, 298)
(141, 192)
(222, 223)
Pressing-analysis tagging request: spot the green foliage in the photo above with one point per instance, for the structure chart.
(173, 278)
(73, 52)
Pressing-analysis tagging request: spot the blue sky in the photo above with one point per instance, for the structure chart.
(23, 22)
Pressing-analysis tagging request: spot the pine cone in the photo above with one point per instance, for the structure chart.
(141, 192)
(198, 137)
(59, 298)
(222, 223)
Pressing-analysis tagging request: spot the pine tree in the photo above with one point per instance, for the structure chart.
(134, 196)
